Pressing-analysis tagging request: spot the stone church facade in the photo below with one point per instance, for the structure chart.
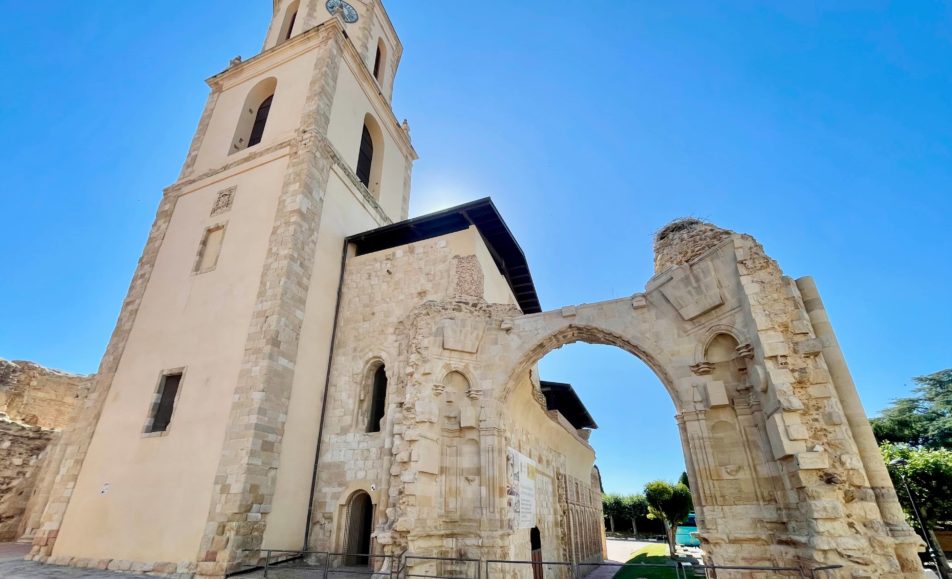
(298, 365)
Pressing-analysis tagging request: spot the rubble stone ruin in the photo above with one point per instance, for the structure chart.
(299, 366)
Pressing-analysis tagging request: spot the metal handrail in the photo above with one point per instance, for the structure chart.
(678, 571)
(400, 570)
(299, 554)
(465, 560)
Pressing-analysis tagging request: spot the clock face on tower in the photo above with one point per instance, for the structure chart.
(348, 12)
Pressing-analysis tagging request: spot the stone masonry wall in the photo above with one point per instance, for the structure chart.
(436, 471)
(21, 448)
(36, 396)
(35, 402)
(369, 333)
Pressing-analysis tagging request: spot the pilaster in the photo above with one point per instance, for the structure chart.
(244, 485)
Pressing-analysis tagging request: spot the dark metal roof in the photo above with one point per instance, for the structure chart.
(483, 214)
(562, 397)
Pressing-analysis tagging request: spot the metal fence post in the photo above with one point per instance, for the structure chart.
(574, 570)
(327, 565)
(267, 562)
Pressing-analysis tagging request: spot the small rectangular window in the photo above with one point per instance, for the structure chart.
(209, 249)
(164, 404)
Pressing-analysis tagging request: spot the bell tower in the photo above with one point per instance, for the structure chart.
(197, 442)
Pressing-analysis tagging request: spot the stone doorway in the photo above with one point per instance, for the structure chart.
(360, 514)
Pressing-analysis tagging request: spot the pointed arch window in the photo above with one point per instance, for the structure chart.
(378, 399)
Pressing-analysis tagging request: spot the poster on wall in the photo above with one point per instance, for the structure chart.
(520, 490)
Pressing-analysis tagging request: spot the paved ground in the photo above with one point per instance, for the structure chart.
(12, 565)
(620, 550)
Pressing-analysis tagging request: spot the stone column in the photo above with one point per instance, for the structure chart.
(876, 472)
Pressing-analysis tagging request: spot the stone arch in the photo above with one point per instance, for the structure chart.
(463, 369)
(358, 529)
(590, 334)
(775, 470)
(711, 334)
(711, 470)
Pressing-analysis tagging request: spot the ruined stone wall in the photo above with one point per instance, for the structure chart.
(776, 469)
(583, 521)
(21, 449)
(568, 518)
(36, 396)
(35, 402)
(379, 292)
(436, 471)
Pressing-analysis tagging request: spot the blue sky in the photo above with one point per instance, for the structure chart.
(824, 132)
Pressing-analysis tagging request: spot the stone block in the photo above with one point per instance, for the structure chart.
(693, 290)
(797, 432)
(774, 349)
(427, 456)
(463, 335)
(801, 327)
(716, 394)
(166, 568)
(810, 347)
(851, 461)
(780, 443)
(813, 460)
(833, 417)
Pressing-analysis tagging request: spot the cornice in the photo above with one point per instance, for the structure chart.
(245, 162)
(289, 49)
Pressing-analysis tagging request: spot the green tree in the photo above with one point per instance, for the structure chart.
(635, 507)
(671, 503)
(684, 479)
(928, 472)
(924, 419)
(612, 506)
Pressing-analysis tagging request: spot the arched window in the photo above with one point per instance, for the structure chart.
(370, 155)
(261, 119)
(291, 26)
(290, 17)
(380, 60)
(254, 115)
(378, 399)
(365, 158)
